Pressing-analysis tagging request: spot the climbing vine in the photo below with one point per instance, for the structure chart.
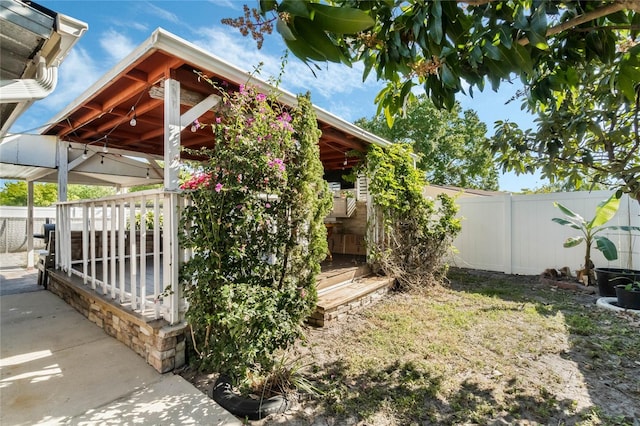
(255, 226)
(409, 235)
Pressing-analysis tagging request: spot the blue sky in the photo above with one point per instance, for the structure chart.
(117, 27)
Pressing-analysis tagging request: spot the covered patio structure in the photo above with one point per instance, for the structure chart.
(117, 258)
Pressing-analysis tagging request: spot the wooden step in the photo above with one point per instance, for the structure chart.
(340, 300)
(340, 275)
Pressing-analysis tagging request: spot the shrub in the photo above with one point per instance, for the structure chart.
(409, 235)
(255, 225)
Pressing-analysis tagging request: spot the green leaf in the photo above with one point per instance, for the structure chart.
(571, 214)
(284, 30)
(317, 39)
(448, 78)
(607, 247)
(435, 29)
(303, 51)
(436, 9)
(573, 241)
(523, 57)
(341, 20)
(492, 51)
(539, 21)
(605, 211)
(565, 222)
(266, 5)
(388, 115)
(628, 78)
(295, 8)
(505, 38)
(635, 25)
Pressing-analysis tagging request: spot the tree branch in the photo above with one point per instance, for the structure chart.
(594, 14)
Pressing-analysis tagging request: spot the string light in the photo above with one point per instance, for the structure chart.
(147, 173)
(105, 149)
(102, 159)
(133, 121)
(193, 128)
(85, 155)
(345, 159)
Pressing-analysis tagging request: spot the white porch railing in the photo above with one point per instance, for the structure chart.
(125, 247)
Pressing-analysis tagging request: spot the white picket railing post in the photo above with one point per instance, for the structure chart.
(133, 271)
(105, 250)
(113, 255)
(121, 251)
(143, 253)
(118, 213)
(85, 243)
(156, 254)
(92, 245)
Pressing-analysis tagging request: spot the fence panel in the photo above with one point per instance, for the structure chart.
(515, 234)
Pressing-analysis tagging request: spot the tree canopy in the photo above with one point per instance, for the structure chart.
(558, 50)
(451, 144)
(14, 193)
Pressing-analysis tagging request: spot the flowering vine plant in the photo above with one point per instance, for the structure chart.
(254, 222)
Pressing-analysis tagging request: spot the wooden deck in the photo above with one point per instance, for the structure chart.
(345, 285)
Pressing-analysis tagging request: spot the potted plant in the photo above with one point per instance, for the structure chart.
(629, 295)
(605, 211)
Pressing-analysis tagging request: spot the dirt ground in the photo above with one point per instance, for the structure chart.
(523, 373)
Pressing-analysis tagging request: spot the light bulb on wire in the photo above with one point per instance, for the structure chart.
(133, 121)
(105, 149)
(85, 155)
(147, 173)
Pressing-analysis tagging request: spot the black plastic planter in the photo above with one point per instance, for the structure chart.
(609, 278)
(246, 408)
(628, 299)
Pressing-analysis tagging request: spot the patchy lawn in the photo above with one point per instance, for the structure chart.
(489, 349)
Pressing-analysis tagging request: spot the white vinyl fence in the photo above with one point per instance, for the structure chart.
(514, 233)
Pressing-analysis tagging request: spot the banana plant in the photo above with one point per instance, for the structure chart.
(590, 230)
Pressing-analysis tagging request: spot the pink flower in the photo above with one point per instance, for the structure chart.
(261, 97)
(285, 117)
(268, 205)
(218, 187)
(218, 120)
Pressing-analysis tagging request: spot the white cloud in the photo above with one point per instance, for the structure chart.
(161, 13)
(76, 74)
(227, 3)
(130, 23)
(331, 80)
(116, 45)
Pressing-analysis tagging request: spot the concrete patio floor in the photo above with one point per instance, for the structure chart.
(56, 367)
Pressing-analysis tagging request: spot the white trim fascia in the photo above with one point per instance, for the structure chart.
(165, 41)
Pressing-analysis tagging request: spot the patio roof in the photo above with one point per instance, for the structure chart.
(133, 89)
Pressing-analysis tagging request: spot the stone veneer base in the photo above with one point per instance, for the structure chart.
(160, 344)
